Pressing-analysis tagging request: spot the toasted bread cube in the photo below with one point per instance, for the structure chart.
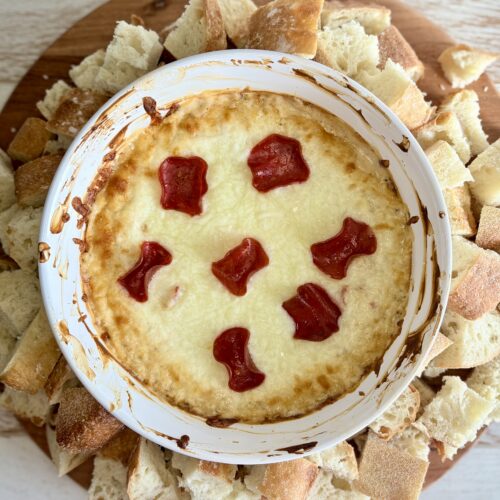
(465, 104)
(59, 378)
(475, 284)
(32, 407)
(236, 18)
(455, 415)
(486, 172)
(413, 440)
(286, 26)
(52, 99)
(462, 64)
(33, 179)
(387, 472)
(448, 167)
(75, 110)
(393, 45)
(488, 233)
(374, 18)
(459, 204)
(340, 460)
(30, 140)
(84, 75)
(348, 49)
(7, 194)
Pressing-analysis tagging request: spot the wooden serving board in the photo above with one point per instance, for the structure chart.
(94, 32)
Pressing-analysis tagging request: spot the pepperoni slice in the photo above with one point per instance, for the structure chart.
(231, 349)
(239, 264)
(334, 256)
(315, 314)
(136, 281)
(183, 183)
(277, 161)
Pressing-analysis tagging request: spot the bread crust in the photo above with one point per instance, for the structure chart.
(488, 233)
(216, 34)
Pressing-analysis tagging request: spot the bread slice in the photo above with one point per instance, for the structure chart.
(53, 98)
(474, 342)
(348, 49)
(293, 480)
(236, 18)
(7, 193)
(475, 284)
(448, 167)
(444, 126)
(488, 232)
(387, 472)
(33, 179)
(459, 204)
(413, 440)
(34, 357)
(19, 301)
(148, 476)
(486, 172)
(29, 141)
(398, 416)
(200, 29)
(456, 414)
(398, 91)
(462, 64)
(465, 104)
(339, 460)
(82, 424)
(374, 18)
(109, 480)
(393, 45)
(84, 75)
(286, 26)
(324, 488)
(59, 378)
(32, 407)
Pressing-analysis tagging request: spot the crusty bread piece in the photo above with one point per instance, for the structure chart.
(30, 140)
(474, 342)
(486, 172)
(393, 45)
(109, 480)
(324, 488)
(199, 29)
(440, 344)
(373, 18)
(459, 204)
(7, 194)
(465, 104)
(286, 26)
(427, 393)
(58, 146)
(84, 75)
(387, 472)
(148, 476)
(399, 415)
(413, 440)
(339, 460)
(82, 424)
(34, 357)
(488, 232)
(19, 300)
(462, 64)
(121, 446)
(32, 407)
(33, 179)
(444, 126)
(475, 284)
(59, 378)
(456, 414)
(64, 461)
(236, 18)
(293, 480)
(53, 98)
(348, 49)
(398, 91)
(447, 165)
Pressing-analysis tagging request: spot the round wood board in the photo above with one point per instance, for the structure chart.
(94, 32)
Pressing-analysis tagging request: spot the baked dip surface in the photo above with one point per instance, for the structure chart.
(249, 258)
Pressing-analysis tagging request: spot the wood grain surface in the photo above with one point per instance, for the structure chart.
(95, 31)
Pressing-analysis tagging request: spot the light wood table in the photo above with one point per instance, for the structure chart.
(27, 27)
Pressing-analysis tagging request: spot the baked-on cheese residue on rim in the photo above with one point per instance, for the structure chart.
(167, 341)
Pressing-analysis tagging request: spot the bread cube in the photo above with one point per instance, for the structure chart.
(32, 407)
(459, 204)
(53, 98)
(413, 440)
(7, 193)
(426, 392)
(325, 488)
(7, 343)
(485, 380)
(488, 232)
(29, 141)
(84, 75)
(486, 172)
(340, 460)
(236, 18)
(109, 480)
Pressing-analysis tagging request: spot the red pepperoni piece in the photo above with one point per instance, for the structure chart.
(277, 161)
(183, 183)
(333, 256)
(315, 314)
(231, 349)
(239, 264)
(136, 281)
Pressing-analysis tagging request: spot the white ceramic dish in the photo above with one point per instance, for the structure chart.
(113, 387)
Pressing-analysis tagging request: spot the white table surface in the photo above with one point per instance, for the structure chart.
(27, 27)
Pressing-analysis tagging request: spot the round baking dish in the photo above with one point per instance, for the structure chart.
(63, 227)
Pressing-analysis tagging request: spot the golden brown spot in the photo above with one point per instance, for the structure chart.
(350, 168)
(323, 381)
(117, 183)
